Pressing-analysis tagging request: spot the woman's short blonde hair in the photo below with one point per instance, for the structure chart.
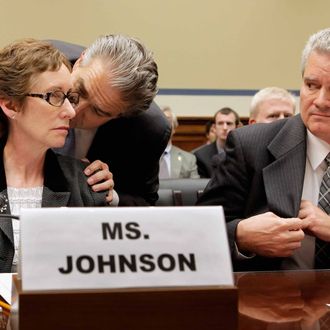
(21, 61)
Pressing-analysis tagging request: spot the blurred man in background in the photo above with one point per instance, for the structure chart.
(175, 162)
(270, 104)
(225, 120)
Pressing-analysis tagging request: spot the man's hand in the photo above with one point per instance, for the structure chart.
(269, 235)
(100, 178)
(315, 221)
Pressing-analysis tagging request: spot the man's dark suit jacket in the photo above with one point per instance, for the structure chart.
(263, 171)
(64, 185)
(206, 159)
(130, 146)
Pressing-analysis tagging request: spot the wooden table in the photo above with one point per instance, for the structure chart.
(284, 300)
(267, 300)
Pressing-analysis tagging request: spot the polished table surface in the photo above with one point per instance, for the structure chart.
(284, 300)
(280, 300)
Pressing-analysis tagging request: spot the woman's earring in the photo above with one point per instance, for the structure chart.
(13, 116)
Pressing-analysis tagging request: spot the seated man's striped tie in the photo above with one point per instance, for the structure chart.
(322, 248)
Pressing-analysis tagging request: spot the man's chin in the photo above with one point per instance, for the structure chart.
(81, 125)
(75, 124)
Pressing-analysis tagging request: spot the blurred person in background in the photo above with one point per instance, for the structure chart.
(175, 162)
(270, 104)
(225, 120)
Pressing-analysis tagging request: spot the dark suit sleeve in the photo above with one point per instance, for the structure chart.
(64, 175)
(238, 186)
(204, 156)
(76, 182)
(201, 167)
(132, 146)
(201, 160)
(229, 186)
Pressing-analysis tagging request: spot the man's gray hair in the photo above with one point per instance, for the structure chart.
(320, 42)
(132, 70)
(270, 93)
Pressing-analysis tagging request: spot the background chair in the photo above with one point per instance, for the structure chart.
(168, 197)
(70, 50)
(184, 191)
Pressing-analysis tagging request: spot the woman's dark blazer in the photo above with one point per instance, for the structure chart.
(65, 184)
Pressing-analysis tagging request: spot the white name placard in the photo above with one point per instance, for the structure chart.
(91, 248)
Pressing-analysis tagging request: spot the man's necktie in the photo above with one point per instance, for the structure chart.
(322, 251)
(164, 173)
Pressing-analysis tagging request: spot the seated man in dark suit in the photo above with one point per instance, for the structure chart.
(274, 183)
(116, 121)
(225, 120)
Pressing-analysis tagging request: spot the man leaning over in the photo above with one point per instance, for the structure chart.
(116, 120)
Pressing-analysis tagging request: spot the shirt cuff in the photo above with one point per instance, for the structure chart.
(240, 256)
(115, 198)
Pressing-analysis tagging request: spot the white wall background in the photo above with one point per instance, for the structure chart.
(210, 44)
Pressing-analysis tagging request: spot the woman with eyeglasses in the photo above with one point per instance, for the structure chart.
(37, 103)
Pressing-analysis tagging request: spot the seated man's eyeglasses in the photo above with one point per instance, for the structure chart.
(57, 98)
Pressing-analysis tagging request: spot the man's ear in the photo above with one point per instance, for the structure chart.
(78, 62)
(9, 107)
(252, 121)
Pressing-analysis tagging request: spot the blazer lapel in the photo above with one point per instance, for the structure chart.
(55, 196)
(54, 199)
(5, 223)
(55, 192)
(284, 178)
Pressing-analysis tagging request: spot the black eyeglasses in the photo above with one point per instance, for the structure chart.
(57, 98)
